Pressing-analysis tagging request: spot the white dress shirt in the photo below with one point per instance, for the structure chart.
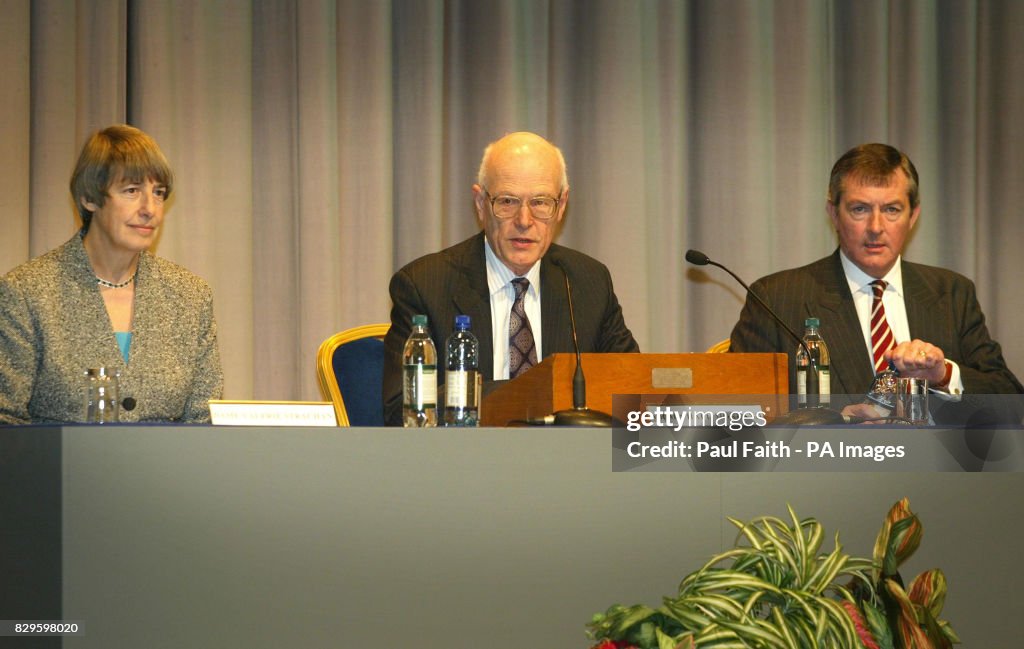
(895, 308)
(503, 295)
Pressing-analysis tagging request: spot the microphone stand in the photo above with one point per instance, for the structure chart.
(698, 258)
(580, 414)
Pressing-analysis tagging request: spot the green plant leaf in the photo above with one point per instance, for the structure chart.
(909, 629)
(948, 631)
(725, 606)
(826, 571)
(799, 542)
(929, 590)
(754, 634)
(688, 617)
(878, 625)
(718, 637)
(783, 627)
(688, 581)
(778, 589)
(664, 641)
(616, 622)
(899, 538)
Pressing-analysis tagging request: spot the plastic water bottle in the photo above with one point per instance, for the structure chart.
(419, 368)
(462, 377)
(819, 353)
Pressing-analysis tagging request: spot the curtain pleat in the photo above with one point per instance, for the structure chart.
(321, 145)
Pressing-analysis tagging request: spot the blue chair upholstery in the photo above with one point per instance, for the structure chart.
(350, 368)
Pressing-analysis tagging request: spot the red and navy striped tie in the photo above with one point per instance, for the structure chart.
(882, 339)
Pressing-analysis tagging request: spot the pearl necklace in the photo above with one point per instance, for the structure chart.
(103, 282)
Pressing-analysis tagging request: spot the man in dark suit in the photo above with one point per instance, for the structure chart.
(938, 327)
(520, 199)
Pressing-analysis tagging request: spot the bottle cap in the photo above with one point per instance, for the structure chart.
(419, 320)
(462, 322)
(812, 322)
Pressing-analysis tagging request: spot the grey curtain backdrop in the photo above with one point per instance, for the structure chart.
(319, 146)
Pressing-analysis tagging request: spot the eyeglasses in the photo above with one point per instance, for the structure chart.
(506, 206)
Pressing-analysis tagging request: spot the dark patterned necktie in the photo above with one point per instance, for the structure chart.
(522, 350)
(882, 339)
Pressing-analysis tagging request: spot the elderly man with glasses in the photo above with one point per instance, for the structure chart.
(509, 278)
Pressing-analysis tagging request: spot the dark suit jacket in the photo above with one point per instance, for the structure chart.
(942, 309)
(454, 282)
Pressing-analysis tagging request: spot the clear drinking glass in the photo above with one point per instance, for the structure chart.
(912, 400)
(101, 395)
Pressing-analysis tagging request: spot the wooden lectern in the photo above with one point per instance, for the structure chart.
(650, 379)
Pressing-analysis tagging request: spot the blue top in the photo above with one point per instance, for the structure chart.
(124, 341)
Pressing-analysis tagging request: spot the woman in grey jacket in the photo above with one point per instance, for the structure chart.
(103, 300)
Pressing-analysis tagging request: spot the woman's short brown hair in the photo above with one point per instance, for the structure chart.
(116, 152)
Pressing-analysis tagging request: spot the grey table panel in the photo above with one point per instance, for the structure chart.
(250, 537)
(208, 537)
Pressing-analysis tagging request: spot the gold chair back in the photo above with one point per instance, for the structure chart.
(327, 374)
(720, 347)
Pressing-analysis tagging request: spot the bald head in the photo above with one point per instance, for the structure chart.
(526, 170)
(522, 152)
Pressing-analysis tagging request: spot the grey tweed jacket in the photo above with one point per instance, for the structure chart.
(54, 325)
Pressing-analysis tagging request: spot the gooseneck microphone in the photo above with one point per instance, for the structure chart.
(698, 258)
(580, 414)
(579, 382)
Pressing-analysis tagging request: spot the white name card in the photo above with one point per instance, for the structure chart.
(272, 413)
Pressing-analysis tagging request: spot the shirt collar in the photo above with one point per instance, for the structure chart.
(499, 276)
(861, 281)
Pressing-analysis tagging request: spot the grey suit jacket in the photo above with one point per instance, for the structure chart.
(942, 309)
(454, 281)
(54, 325)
